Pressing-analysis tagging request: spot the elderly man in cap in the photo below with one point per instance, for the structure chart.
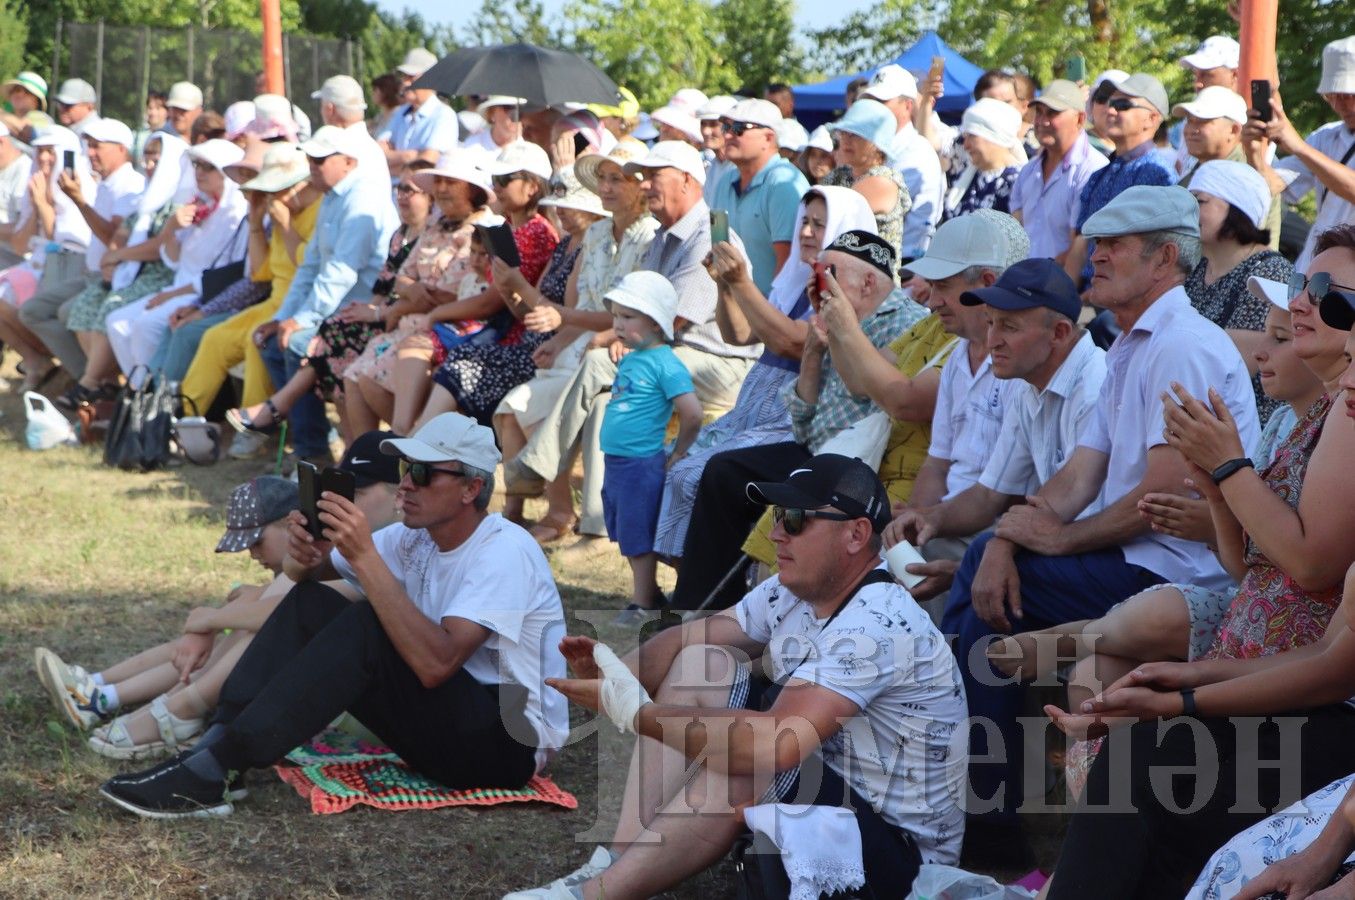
(445, 660)
(343, 258)
(1046, 189)
(672, 176)
(913, 156)
(16, 166)
(820, 405)
(424, 127)
(1324, 162)
(183, 106)
(1134, 112)
(1079, 545)
(25, 101)
(76, 105)
(342, 105)
(763, 196)
(834, 719)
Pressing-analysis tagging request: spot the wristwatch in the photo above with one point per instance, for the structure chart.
(1231, 467)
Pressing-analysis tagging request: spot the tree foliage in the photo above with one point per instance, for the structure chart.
(13, 35)
(869, 37)
(757, 39)
(512, 22)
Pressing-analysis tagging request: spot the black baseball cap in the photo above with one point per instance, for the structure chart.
(843, 482)
(366, 461)
(1338, 309)
(1029, 284)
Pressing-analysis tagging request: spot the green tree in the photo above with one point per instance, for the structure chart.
(758, 42)
(513, 22)
(13, 35)
(869, 37)
(337, 18)
(389, 37)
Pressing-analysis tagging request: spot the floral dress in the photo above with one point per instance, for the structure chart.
(479, 374)
(889, 223)
(987, 190)
(92, 305)
(338, 344)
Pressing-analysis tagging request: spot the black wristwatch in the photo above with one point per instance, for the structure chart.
(1231, 467)
(1188, 707)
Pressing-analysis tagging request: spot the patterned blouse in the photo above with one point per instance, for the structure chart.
(889, 224)
(988, 190)
(604, 260)
(1228, 304)
(442, 254)
(1271, 613)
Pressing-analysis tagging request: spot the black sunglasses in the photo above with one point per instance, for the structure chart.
(407, 188)
(793, 519)
(503, 181)
(1319, 287)
(421, 473)
(1120, 104)
(738, 128)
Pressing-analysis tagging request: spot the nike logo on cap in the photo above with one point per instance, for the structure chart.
(358, 461)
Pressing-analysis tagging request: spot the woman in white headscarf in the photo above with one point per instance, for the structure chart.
(132, 269)
(208, 232)
(779, 323)
(991, 133)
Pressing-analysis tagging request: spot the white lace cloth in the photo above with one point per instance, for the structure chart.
(820, 846)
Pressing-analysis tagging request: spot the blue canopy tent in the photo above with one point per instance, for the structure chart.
(818, 103)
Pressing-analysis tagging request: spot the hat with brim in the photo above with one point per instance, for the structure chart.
(678, 119)
(1338, 67)
(649, 294)
(672, 155)
(828, 479)
(31, 82)
(217, 152)
(459, 164)
(1276, 293)
(565, 192)
(1338, 309)
(108, 131)
(331, 140)
(1214, 102)
(869, 120)
(76, 90)
(253, 506)
(627, 150)
(368, 465)
(447, 437)
(521, 156)
(1030, 284)
(416, 62)
(1145, 208)
(283, 166)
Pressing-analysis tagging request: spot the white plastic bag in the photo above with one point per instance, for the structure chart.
(935, 882)
(864, 439)
(47, 427)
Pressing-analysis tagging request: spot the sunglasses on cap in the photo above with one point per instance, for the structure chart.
(503, 181)
(1120, 104)
(421, 473)
(793, 519)
(1319, 287)
(738, 128)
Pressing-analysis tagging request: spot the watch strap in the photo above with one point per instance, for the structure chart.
(1231, 467)
(1188, 707)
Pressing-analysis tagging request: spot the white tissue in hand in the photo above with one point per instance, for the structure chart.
(622, 693)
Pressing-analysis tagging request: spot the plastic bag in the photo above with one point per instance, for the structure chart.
(47, 427)
(935, 882)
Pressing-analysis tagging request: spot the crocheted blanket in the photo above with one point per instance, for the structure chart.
(336, 771)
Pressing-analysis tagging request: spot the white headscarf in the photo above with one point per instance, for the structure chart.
(70, 227)
(217, 239)
(847, 211)
(171, 182)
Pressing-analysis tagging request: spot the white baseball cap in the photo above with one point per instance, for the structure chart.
(184, 95)
(964, 241)
(1277, 292)
(672, 155)
(499, 100)
(716, 107)
(331, 139)
(648, 293)
(76, 90)
(343, 91)
(678, 118)
(791, 135)
(417, 61)
(689, 100)
(109, 131)
(217, 152)
(1214, 52)
(463, 165)
(1338, 67)
(450, 436)
(892, 81)
(755, 112)
(820, 139)
(521, 156)
(1214, 102)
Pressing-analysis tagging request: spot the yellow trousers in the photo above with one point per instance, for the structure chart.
(222, 347)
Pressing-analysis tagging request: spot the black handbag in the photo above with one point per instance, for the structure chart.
(216, 279)
(141, 425)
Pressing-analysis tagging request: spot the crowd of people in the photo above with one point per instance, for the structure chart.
(1058, 352)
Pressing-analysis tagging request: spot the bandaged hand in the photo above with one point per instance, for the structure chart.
(622, 693)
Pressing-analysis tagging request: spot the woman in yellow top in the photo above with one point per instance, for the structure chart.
(282, 190)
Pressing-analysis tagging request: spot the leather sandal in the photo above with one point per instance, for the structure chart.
(238, 420)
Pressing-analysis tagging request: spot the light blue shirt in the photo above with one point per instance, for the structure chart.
(345, 254)
(762, 214)
(1046, 207)
(1170, 342)
(432, 126)
(646, 383)
(917, 163)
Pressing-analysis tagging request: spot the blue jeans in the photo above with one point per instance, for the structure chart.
(1055, 590)
(308, 428)
(180, 346)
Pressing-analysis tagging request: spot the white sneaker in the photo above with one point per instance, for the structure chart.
(247, 445)
(560, 888)
(72, 689)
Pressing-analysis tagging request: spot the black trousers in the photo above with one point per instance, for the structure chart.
(319, 655)
(722, 516)
(1151, 851)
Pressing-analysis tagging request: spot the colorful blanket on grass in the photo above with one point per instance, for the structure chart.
(337, 771)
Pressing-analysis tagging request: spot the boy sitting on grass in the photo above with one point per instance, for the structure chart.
(650, 383)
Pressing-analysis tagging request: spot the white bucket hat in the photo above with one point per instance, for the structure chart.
(993, 121)
(648, 293)
(565, 192)
(680, 119)
(521, 156)
(1338, 67)
(459, 164)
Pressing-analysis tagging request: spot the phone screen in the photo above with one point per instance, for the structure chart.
(1260, 100)
(308, 486)
(68, 160)
(580, 143)
(719, 226)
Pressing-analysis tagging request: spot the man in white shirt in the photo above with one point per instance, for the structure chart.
(342, 105)
(854, 705)
(1324, 162)
(15, 168)
(913, 156)
(503, 126)
(183, 106)
(445, 660)
(76, 105)
(1033, 337)
(1048, 562)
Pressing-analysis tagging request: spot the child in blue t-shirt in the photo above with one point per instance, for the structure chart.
(650, 383)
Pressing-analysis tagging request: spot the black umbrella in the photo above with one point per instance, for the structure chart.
(537, 74)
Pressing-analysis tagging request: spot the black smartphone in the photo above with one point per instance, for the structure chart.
(719, 226)
(338, 481)
(580, 143)
(308, 485)
(68, 160)
(498, 241)
(1260, 100)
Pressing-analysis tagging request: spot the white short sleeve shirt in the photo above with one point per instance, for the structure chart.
(970, 406)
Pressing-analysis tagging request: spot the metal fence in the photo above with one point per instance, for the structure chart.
(124, 63)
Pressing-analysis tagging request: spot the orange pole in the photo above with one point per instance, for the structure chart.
(271, 12)
(1257, 38)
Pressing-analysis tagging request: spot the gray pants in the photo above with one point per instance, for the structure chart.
(63, 278)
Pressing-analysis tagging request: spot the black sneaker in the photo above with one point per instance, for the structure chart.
(170, 792)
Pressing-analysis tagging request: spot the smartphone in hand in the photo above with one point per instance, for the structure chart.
(68, 161)
(719, 226)
(1260, 100)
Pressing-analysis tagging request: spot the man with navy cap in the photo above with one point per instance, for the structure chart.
(1033, 336)
(1079, 545)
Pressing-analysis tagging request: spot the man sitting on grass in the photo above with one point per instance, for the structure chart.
(860, 707)
(444, 660)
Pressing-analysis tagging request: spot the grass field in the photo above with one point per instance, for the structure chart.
(98, 564)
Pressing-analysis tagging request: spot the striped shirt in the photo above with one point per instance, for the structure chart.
(968, 417)
(1040, 429)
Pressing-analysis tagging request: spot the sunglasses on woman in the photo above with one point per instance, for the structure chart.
(1319, 287)
(738, 128)
(503, 181)
(793, 519)
(421, 473)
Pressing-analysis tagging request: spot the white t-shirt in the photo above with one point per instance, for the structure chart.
(482, 145)
(373, 158)
(117, 197)
(13, 186)
(968, 417)
(498, 578)
(906, 753)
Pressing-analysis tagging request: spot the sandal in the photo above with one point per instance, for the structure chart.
(238, 421)
(33, 382)
(113, 740)
(79, 395)
(552, 529)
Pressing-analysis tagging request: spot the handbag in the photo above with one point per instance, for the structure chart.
(141, 425)
(216, 279)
